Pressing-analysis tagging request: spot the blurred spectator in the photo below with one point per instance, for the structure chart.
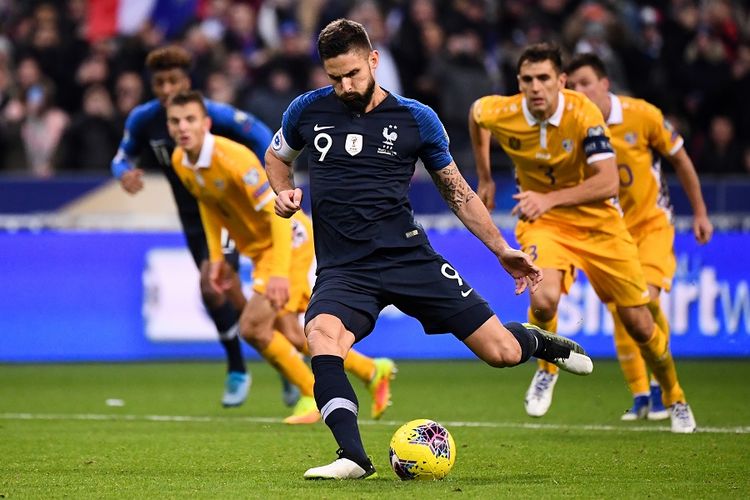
(241, 35)
(220, 89)
(721, 154)
(129, 93)
(459, 77)
(269, 100)
(42, 129)
(91, 140)
(689, 57)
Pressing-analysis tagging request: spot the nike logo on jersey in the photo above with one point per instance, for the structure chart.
(318, 127)
(467, 292)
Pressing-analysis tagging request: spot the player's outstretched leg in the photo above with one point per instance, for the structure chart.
(560, 351)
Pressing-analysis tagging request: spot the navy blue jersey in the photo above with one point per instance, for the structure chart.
(360, 168)
(146, 137)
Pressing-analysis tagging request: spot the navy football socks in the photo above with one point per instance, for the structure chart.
(338, 406)
(226, 318)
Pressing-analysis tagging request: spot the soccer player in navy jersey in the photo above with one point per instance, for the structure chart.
(363, 145)
(147, 141)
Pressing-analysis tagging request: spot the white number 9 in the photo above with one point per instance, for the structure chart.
(453, 275)
(323, 150)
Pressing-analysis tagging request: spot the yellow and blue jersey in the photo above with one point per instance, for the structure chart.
(552, 154)
(640, 133)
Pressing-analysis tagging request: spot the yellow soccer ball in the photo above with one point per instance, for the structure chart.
(422, 449)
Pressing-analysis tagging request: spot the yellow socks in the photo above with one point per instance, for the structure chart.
(287, 360)
(359, 365)
(629, 355)
(658, 358)
(550, 326)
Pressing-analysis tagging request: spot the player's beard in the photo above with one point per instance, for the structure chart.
(356, 101)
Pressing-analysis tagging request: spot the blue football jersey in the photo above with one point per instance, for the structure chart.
(360, 167)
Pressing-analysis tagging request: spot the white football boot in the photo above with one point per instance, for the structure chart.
(539, 396)
(341, 468)
(683, 421)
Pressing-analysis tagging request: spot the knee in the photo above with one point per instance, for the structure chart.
(255, 328)
(326, 338)
(544, 308)
(638, 322)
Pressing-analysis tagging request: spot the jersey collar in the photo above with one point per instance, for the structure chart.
(615, 110)
(552, 120)
(204, 158)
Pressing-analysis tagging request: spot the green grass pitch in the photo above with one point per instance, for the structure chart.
(171, 438)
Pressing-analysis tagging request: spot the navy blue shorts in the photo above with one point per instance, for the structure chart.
(417, 280)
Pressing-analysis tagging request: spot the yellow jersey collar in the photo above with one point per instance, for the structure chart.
(204, 158)
(552, 120)
(615, 110)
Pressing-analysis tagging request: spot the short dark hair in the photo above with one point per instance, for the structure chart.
(587, 59)
(187, 97)
(169, 57)
(341, 36)
(540, 52)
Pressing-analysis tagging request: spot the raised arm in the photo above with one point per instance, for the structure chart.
(474, 215)
(480, 145)
(702, 227)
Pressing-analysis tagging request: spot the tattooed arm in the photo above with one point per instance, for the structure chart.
(463, 201)
(474, 215)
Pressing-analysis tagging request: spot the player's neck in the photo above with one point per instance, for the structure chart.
(194, 154)
(377, 97)
(606, 108)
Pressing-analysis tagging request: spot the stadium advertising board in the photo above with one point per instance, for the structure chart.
(93, 296)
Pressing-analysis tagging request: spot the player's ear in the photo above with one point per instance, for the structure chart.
(207, 123)
(563, 79)
(374, 59)
(606, 83)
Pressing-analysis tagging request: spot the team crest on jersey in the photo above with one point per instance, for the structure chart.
(389, 138)
(251, 178)
(514, 143)
(353, 144)
(567, 145)
(219, 184)
(631, 138)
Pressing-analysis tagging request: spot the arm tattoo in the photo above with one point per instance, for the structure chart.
(452, 187)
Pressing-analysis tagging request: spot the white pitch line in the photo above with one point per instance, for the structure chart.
(269, 420)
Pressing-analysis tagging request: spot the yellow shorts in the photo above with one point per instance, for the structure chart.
(303, 255)
(609, 258)
(656, 253)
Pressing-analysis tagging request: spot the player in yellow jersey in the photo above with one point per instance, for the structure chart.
(639, 130)
(233, 193)
(567, 175)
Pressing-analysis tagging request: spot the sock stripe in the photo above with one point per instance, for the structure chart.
(337, 403)
(231, 333)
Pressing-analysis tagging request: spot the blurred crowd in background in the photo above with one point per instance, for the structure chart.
(71, 71)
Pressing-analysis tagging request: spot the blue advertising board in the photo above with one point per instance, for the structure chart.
(98, 296)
